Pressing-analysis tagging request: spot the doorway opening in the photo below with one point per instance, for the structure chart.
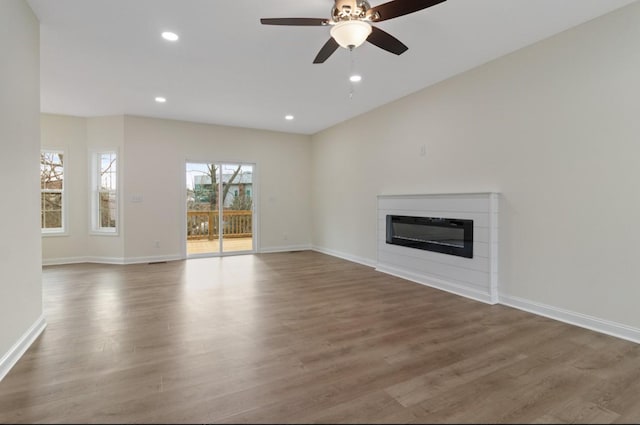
(220, 208)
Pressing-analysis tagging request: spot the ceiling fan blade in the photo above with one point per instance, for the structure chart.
(305, 22)
(396, 8)
(326, 51)
(386, 41)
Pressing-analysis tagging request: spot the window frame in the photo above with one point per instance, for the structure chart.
(95, 190)
(63, 230)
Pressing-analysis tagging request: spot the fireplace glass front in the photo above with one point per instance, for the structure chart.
(444, 235)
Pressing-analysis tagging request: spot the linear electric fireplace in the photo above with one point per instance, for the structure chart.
(445, 235)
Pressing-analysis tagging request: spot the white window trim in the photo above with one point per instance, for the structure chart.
(64, 231)
(94, 219)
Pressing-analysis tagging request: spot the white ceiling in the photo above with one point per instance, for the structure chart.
(106, 57)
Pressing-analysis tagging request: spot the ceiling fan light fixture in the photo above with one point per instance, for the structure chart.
(351, 34)
(170, 36)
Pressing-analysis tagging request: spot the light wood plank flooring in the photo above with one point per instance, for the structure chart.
(302, 338)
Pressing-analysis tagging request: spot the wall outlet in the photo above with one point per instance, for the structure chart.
(285, 236)
(157, 244)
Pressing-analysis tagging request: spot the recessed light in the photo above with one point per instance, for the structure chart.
(170, 36)
(161, 99)
(355, 78)
(289, 117)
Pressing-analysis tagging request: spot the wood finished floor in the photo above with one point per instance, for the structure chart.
(303, 338)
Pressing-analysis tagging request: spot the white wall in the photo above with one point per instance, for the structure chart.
(152, 160)
(155, 155)
(20, 260)
(79, 137)
(553, 127)
(70, 134)
(106, 134)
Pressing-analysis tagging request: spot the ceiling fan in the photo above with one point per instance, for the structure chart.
(351, 24)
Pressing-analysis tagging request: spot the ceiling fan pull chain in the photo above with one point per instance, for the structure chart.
(352, 88)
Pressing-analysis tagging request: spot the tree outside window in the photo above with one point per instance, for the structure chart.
(105, 192)
(52, 191)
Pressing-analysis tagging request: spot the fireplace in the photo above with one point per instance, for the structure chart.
(444, 235)
(464, 225)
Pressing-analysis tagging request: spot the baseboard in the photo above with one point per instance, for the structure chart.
(110, 260)
(345, 256)
(153, 259)
(437, 284)
(81, 260)
(14, 354)
(62, 261)
(607, 327)
(274, 249)
(105, 260)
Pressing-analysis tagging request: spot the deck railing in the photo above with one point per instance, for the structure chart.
(204, 224)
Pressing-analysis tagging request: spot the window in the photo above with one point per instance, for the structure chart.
(52, 214)
(104, 192)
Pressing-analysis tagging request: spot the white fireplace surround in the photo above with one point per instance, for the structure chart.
(476, 277)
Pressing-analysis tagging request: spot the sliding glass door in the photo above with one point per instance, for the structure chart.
(220, 208)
